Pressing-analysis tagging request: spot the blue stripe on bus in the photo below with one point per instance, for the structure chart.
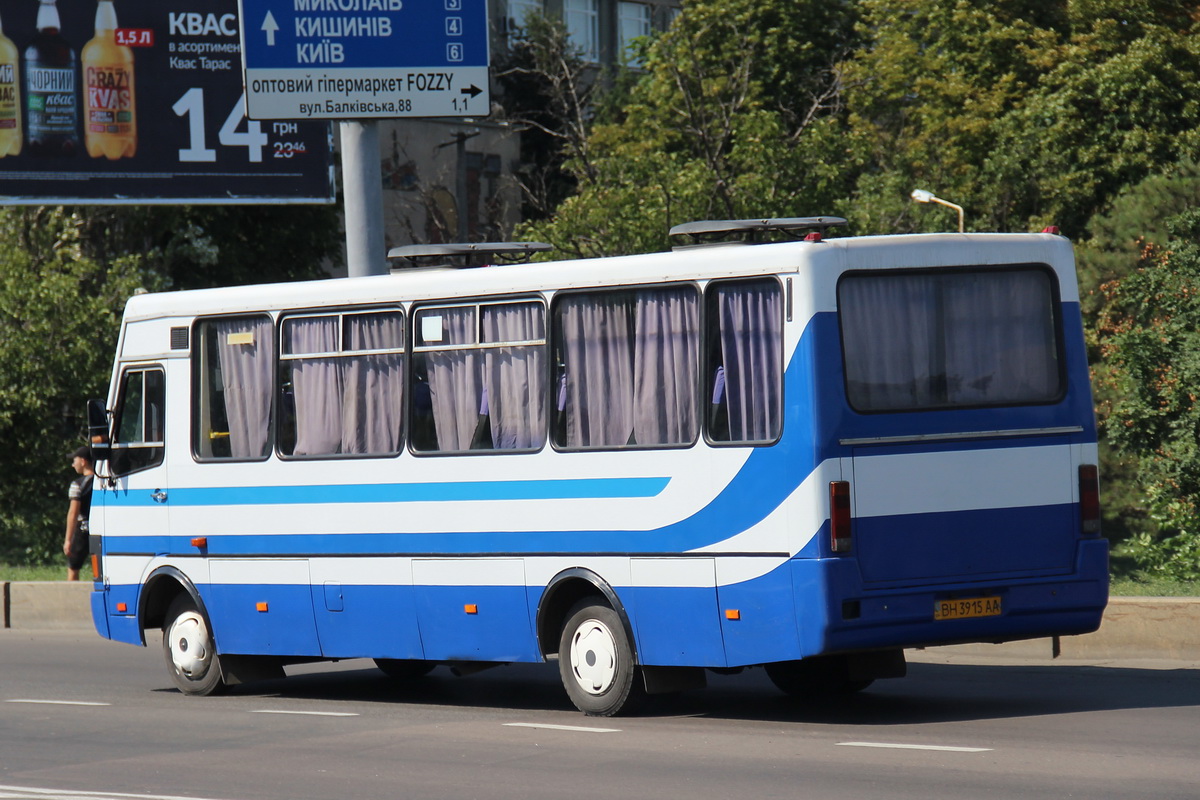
(555, 489)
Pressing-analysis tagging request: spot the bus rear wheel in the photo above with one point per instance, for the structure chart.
(596, 663)
(189, 649)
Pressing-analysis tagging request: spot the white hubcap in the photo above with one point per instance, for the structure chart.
(191, 651)
(594, 656)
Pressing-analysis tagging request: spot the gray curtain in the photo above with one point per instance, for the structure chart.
(246, 374)
(316, 385)
(599, 371)
(924, 340)
(455, 380)
(514, 376)
(752, 355)
(373, 384)
(631, 362)
(665, 367)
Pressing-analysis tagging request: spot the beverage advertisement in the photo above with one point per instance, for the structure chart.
(141, 101)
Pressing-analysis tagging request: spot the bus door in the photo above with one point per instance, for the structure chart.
(134, 489)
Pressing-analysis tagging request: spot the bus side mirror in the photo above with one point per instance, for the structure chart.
(98, 429)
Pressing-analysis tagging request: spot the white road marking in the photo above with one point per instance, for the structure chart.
(577, 728)
(938, 747)
(58, 702)
(32, 793)
(306, 713)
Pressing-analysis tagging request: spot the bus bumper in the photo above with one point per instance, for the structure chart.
(859, 617)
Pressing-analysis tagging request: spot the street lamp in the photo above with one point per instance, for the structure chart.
(922, 196)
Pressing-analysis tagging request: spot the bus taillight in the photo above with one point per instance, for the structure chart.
(1089, 499)
(839, 516)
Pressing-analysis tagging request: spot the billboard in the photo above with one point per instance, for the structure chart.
(141, 101)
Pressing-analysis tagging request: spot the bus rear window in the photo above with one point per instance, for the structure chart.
(924, 339)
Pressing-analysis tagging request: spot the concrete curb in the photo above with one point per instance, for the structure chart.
(48, 605)
(1134, 627)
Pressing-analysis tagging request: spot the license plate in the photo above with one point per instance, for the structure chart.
(966, 608)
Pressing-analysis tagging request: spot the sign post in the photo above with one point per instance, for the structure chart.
(357, 61)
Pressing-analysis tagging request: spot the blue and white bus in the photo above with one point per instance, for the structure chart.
(806, 455)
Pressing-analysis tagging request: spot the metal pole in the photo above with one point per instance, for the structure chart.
(362, 192)
(460, 187)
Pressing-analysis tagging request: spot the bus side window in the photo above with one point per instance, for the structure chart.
(341, 384)
(233, 367)
(138, 432)
(744, 340)
(480, 373)
(628, 368)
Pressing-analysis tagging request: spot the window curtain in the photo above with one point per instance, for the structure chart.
(1000, 338)
(514, 376)
(889, 327)
(373, 384)
(752, 355)
(316, 385)
(455, 381)
(246, 373)
(599, 371)
(666, 360)
(922, 341)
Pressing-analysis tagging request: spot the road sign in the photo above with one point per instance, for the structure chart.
(188, 139)
(364, 59)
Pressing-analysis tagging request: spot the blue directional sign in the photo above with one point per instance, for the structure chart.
(360, 59)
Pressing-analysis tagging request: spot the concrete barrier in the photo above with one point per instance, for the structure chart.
(1134, 627)
(48, 605)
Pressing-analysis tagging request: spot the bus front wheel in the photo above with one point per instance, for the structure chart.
(189, 649)
(595, 660)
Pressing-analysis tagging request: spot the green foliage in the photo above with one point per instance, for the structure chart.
(59, 315)
(1149, 334)
(723, 123)
(926, 96)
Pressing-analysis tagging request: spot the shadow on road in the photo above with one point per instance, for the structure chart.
(931, 693)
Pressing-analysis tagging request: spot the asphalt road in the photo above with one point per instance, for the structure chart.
(961, 730)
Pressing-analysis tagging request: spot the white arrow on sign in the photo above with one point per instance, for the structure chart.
(270, 26)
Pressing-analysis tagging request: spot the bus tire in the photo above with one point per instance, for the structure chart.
(815, 677)
(189, 649)
(596, 663)
(404, 669)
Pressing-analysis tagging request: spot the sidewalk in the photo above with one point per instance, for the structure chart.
(1166, 628)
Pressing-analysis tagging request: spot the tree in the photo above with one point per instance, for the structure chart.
(59, 314)
(724, 122)
(926, 92)
(1150, 341)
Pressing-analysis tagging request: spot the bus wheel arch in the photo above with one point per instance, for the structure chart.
(158, 593)
(562, 594)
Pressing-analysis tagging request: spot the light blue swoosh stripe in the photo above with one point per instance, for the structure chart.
(565, 489)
